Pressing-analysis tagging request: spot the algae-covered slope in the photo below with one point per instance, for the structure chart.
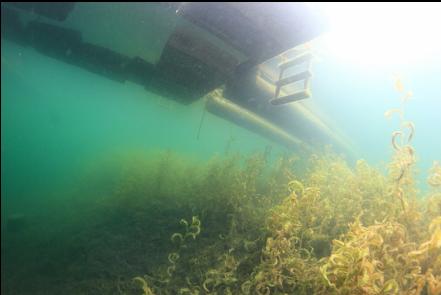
(171, 226)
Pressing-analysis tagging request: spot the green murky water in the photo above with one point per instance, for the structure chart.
(110, 189)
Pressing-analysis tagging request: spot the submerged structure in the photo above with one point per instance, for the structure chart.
(254, 52)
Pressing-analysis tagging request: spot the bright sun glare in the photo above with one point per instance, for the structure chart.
(383, 33)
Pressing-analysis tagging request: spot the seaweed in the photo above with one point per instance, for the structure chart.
(338, 230)
(247, 225)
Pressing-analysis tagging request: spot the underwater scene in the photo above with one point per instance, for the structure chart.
(220, 148)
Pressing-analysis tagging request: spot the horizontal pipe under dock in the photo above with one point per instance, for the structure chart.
(226, 109)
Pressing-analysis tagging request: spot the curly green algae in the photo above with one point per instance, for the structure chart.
(244, 226)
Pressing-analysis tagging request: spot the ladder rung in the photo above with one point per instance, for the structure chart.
(297, 77)
(292, 97)
(297, 60)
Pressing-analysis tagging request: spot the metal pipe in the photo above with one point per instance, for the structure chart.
(225, 108)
